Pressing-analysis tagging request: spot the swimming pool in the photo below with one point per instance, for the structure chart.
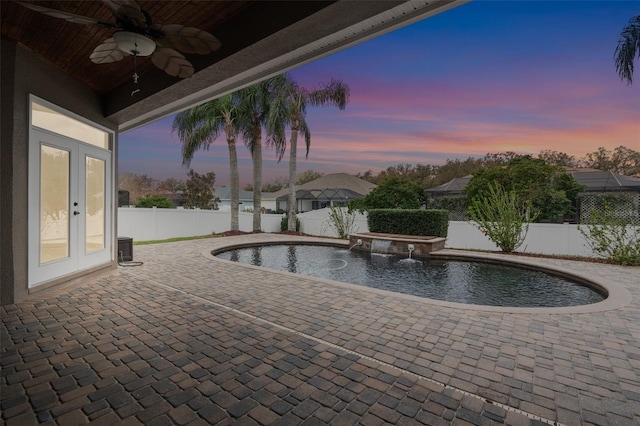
(453, 281)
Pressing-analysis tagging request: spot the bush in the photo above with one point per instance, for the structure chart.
(613, 237)
(341, 220)
(392, 193)
(155, 201)
(502, 217)
(409, 222)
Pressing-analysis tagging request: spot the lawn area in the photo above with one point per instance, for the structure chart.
(171, 240)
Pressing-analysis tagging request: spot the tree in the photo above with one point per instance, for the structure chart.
(154, 200)
(548, 188)
(368, 176)
(628, 49)
(275, 185)
(495, 158)
(289, 108)
(281, 182)
(171, 185)
(420, 173)
(392, 193)
(308, 176)
(455, 169)
(200, 126)
(137, 185)
(620, 160)
(558, 158)
(253, 112)
(199, 192)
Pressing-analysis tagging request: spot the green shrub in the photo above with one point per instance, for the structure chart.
(612, 237)
(409, 222)
(342, 220)
(155, 201)
(392, 193)
(502, 217)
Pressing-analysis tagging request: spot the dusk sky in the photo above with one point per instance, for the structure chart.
(488, 76)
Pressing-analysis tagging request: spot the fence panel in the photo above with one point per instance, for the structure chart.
(157, 224)
(160, 224)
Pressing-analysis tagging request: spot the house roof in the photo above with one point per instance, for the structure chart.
(593, 180)
(350, 185)
(259, 39)
(224, 193)
(454, 186)
(603, 181)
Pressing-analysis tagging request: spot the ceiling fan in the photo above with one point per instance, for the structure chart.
(136, 34)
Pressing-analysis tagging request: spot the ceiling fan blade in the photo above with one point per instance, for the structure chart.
(172, 62)
(188, 39)
(71, 17)
(128, 11)
(106, 52)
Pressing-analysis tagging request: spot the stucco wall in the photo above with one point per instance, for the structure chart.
(23, 74)
(7, 71)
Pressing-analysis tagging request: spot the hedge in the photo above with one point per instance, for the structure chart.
(409, 222)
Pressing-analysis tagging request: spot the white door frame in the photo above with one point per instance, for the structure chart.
(78, 258)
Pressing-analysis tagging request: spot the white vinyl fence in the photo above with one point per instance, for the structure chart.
(159, 224)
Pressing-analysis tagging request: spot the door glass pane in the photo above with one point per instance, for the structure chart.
(95, 201)
(54, 204)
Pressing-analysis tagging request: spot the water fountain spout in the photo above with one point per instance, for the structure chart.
(411, 248)
(380, 246)
(358, 243)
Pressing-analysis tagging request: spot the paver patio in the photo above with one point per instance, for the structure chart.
(188, 339)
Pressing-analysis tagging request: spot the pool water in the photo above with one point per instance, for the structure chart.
(454, 281)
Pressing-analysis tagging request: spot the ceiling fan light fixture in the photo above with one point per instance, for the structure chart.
(134, 43)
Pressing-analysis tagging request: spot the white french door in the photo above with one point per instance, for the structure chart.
(69, 206)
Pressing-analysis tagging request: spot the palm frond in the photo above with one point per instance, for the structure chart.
(628, 49)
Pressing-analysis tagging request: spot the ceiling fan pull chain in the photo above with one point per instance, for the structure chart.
(135, 74)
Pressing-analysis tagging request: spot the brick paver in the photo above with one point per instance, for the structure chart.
(187, 339)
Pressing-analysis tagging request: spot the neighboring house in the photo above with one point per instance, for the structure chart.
(624, 189)
(604, 181)
(246, 199)
(454, 187)
(329, 190)
(594, 181)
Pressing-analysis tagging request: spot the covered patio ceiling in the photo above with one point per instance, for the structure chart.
(259, 39)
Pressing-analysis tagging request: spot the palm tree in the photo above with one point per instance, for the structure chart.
(200, 126)
(254, 103)
(290, 108)
(627, 50)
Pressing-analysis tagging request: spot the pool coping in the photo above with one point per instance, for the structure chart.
(617, 295)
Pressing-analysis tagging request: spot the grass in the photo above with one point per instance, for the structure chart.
(171, 240)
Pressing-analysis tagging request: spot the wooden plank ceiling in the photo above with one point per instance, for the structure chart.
(68, 45)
